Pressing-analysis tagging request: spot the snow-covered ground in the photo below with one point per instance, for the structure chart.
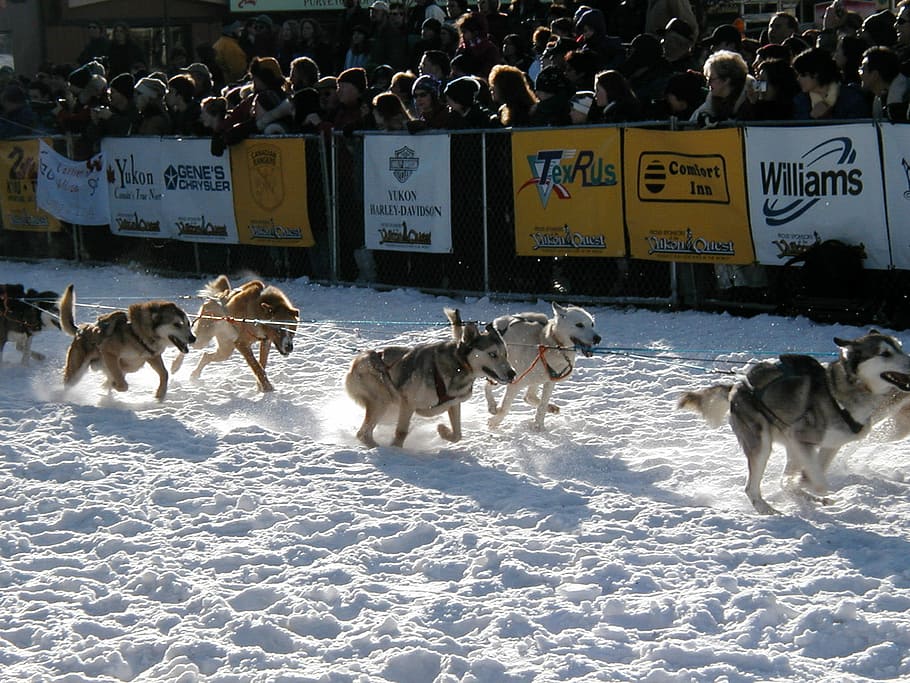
(226, 535)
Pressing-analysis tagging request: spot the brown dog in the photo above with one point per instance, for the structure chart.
(121, 342)
(237, 318)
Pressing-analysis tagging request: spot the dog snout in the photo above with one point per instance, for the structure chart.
(596, 339)
(510, 375)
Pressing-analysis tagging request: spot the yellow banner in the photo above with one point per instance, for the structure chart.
(270, 196)
(686, 196)
(568, 194)
(18, 207)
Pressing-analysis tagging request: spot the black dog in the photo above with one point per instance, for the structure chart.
(24, 313)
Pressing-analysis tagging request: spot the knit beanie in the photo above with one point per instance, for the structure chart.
(124, 84)
(463, 91)
(151, 87)
(268, 70)
(356, 76)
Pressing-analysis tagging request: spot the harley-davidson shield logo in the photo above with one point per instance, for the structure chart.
(266, 177)
(404, 164)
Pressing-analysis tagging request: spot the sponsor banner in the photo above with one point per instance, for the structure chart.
(18, 202)
(266, 6)
(568, 195)
(135, 187)
(896, 161)
(198, 203)
(685, 196)
(406, 196)
(813, 184)
(73, 191)
(270, 192)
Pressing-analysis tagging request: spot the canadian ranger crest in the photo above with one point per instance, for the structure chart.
(266, 176)
(403, 164)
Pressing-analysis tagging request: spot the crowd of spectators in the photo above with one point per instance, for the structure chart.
(414, 67)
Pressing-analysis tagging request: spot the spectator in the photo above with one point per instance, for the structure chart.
(390, 38)
(498, 23)
(725, 37)
(539, 42)
(647, 70)
(272, 108)
(527, 16)
(402, 85)
(563, 27)
(847, 56)
(822, 95)
(465, 112)
(775, 90)
(353, 109)
(431, 112)
(420, 12)
(16, 115)
(878, 29)
(229, 54)
(148, 95)
(615, 100)
(781, 26)
(454, 9)
(358, 52)
(120, 118)
(881, 76)
(205, 53)
(580, 107)
(591, 29)
(203, 82)
(902, 30)
(313, 44)
(352, 15)
(264, 40)
(288, 48)
(659, 13)
(304, 73)
(448, 39)
(481, 51)
(436, 64)
(212, 113)
(389, 113)
(125, 53)
(727, 75)
(308, 114)
(684, 93)
(98, 46)
(771, 51)
(84, 91)
(516, 51)
(678, 44)
(428, 40)
(553, 93)
(512, 94)
(581, 68)
(182, 105)
(327, 87)
(41, 98)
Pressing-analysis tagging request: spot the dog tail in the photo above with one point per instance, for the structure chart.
(712, 403)
(454, 316)
(67, 306)
(216, 288)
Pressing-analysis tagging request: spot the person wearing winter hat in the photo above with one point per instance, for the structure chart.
(430, 111)
(647, 69)
(353, 108)
(465, 112)
(148, 95)
(182, 105)
(580, 106)
(553, 90)
(120, 118)
(677, 39)
(878, 29)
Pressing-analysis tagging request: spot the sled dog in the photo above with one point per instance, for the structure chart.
(427, 379)
(811, 408)
(123, 341)
(542, 350)
(23, 314)
(238, 318)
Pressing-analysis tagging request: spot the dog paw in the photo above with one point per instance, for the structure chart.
(763, 508)
(267, 387)
(446, 433)
(119, 386)
(494, 421)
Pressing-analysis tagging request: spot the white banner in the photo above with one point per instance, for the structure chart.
(72, 191)
(815, 183)
(896, 161)
(198, 203)
(406, 197)
(135, 187)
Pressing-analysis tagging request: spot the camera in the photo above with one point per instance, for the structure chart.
(761, 86)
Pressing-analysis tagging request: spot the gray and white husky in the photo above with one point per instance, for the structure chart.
(811, 408)
(427, 379)
(542, 350)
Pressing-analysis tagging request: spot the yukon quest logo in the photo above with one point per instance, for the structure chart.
(826, 171)
(675, 177)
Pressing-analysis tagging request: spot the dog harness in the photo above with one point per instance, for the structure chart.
(551, 373)
(4, 313)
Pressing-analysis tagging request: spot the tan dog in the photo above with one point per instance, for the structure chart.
(123, 341)
(427, 379)
(237, 318)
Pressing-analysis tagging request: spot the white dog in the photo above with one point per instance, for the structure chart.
(542, 351)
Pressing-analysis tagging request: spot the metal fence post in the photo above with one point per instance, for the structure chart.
(330, 185)
(486, 213)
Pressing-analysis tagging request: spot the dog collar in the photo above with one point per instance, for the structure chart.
(142, 342)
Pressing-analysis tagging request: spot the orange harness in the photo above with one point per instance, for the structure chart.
(553, 375)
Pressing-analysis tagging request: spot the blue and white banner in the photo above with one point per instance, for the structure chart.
(896, 163)
(815, 183)
(198, 202)
(72, 191)
(406, 193)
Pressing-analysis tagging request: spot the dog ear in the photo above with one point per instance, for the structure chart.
(266, 309)
(469, 333)
(557, 309)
